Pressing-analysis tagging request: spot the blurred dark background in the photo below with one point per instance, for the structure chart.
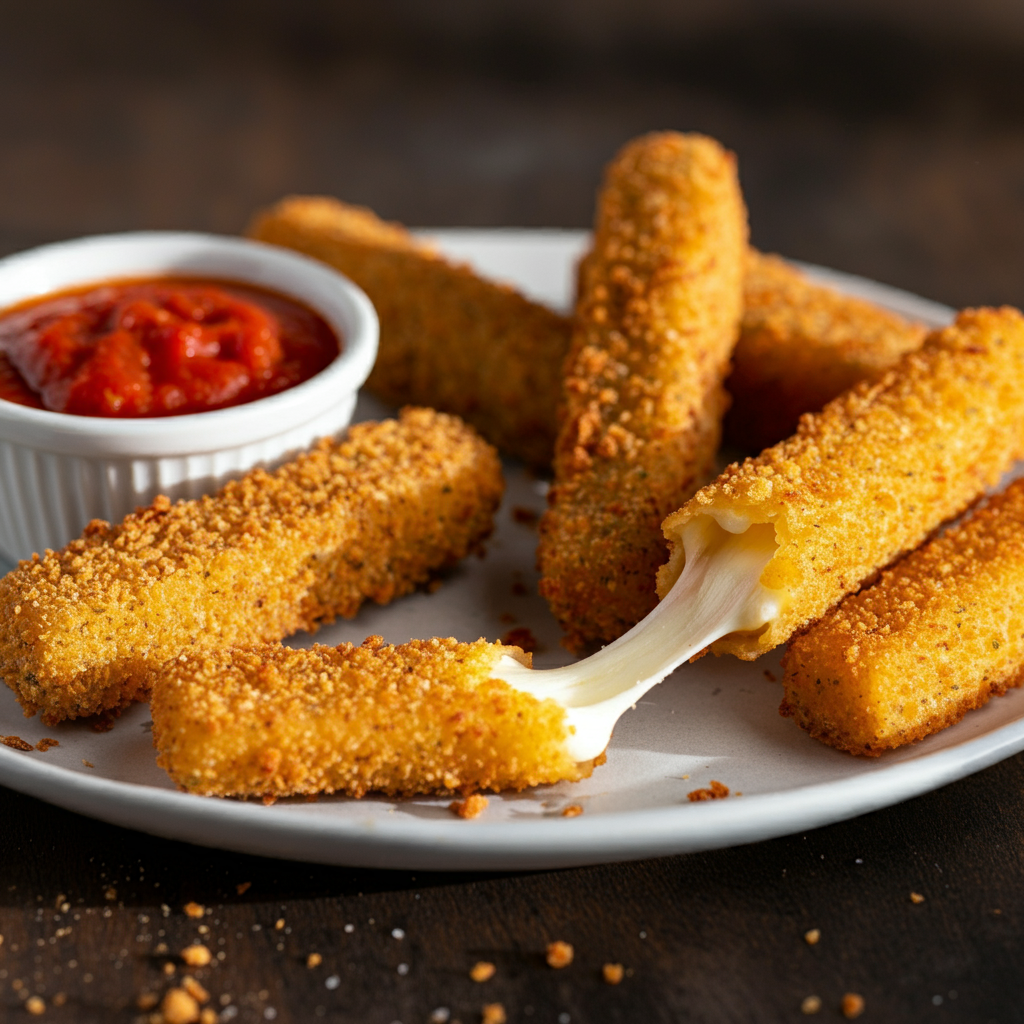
(883, 138)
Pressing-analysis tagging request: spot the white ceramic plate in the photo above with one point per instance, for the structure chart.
(716, 719)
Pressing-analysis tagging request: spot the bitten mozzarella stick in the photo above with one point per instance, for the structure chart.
(657, 316)
(800, 345)
(448, 339)
(940, 633)
(366, 518)
(421, 717)
(871, 476)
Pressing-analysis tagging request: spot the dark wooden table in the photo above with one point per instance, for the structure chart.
(869, 147)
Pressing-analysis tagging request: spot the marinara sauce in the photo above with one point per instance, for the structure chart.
(158, 347)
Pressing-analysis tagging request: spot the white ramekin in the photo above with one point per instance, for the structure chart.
(59, 471)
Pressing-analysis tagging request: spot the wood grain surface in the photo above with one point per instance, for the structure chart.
(875, 145)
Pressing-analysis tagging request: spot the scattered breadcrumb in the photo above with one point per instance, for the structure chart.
(194, 909)
(194, 989)
(612, 973)
(45, 743)
(279, 924)
(770, 676)
(559, 954)
(179, 1007)
(526, 516)
(811, 937)
(36, 1006)
(169, 968)
(314, 960)
(521, 636)
(88, 764)
(243, 887)
(147, 1001)
(482, 971)
(812, 1004)
(196, 955)
(493, 1013)
(110, 893)
(916, 897)
(716, 791)
(16, 743)
(472, 807)
(572, 811)
(852, 1005)
(208, 1016)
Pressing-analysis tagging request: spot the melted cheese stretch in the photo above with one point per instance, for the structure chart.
(718, 593)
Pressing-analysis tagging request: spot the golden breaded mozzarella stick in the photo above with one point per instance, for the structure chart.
(940, 633)
(417, 718)
(872, 474)
(365, 518)
(448, 338)
(656, 319)
(800, 345)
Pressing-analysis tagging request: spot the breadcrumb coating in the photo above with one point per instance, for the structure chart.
(422, 717)
(448, 338)
(800, 345)
(874, 473)
(369, 517)
(940, 633)
(657, 316)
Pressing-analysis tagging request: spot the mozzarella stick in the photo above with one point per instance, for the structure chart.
(800, 345)
(448, 338)
(870, 476)
(940, 633)
(422, 717)
(366, 518)
(656, 319)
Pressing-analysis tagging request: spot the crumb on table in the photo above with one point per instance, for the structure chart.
(852, 1005)
(572, 811)
(46, 743)
(916, 897)
(812, 1004)
(314, 960)
(812, 936)
(482, 970)
(196, 955)
(194, 909)
(493, 1013)
(179, 1007)
(559, 954)
(612, 973)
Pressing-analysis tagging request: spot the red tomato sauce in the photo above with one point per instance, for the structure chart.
(158, 347)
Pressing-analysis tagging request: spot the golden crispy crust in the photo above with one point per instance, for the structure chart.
(448, 338)
(801, 345)
(367, 518)
(875, 472)
(422, 717)
(940, 633)
(659, 307)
